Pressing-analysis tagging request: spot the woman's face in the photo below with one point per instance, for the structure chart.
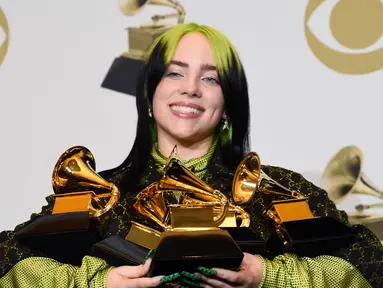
(188, 102)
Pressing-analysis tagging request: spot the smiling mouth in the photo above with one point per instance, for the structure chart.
(185, 109)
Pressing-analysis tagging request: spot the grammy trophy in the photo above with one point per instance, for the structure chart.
(82, 198)
(292, 224)
(123, 74)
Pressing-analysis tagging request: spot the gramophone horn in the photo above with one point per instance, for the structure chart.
(150, 203)
(74, 175)
(246, 178)
(132, 7)
(177, 177)
(249, 179)
(344, 175)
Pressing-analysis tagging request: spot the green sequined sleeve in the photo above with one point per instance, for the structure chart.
(288, 270)
(15, 257)
(44, 272)
(11, 251)
(21, 266)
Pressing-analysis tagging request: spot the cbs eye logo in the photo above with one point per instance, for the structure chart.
(4, 36)
(346, 35)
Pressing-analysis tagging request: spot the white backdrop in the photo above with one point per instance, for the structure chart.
(60, 51)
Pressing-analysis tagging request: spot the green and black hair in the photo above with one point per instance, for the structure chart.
(235, 140)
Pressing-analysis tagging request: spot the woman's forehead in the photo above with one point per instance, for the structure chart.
(194, 48)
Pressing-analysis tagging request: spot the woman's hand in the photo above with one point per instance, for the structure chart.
(249, 275)
(132, 277)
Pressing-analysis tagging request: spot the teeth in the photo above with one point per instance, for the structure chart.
(184, 109)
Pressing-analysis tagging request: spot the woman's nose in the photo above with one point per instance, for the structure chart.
(191, 87)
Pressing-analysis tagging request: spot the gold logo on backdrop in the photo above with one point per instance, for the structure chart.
(356, 25)
(4, 36)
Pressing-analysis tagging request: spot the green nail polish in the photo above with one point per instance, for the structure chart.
(150, 253)
(189, 283)
(207, 270)
(192, 276)
(170, 278)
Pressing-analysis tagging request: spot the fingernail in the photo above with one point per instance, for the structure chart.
(207, 270)
(150, 253)
(189, 283)
(192, 276)
(170, 278)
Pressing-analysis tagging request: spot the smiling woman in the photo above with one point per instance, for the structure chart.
(188, 103)
(193, 93)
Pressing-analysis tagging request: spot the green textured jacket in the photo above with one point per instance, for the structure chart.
(358, 265)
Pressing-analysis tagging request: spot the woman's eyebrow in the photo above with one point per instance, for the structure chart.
(204, 66)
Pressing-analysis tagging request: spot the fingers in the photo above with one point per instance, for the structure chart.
(209, 282)
(170, 278)
(229, 276)
(170, 285)
(207, 279)
(143, 282)
(190, 279)
(135, 271)
(246, 258)
(207, 271)
(218, 277)
(146, 265)
(203, 285)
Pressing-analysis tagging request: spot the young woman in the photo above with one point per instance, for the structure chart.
(193, 94)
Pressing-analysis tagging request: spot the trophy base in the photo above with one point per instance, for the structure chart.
(119, 252)
(123, 75)
(247, 241)
(186, 250)
(143, 236)
(66, 237)
(311, 237)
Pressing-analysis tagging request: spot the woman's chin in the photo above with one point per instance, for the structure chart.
(183, 138)
(187, 136)
(184, 134)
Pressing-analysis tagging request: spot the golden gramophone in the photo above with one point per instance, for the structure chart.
(81, 197)
(142, 36)
(79, 188)
(185, 217)
(123, 74)
(291, 221)
(189, 194)
(343, 176)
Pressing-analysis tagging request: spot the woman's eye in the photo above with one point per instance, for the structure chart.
(173, 74)
(212, 80)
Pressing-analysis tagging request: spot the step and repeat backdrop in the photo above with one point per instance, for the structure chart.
(315, 72)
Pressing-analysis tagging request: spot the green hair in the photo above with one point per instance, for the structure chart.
(223, 50)
(224, 53)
